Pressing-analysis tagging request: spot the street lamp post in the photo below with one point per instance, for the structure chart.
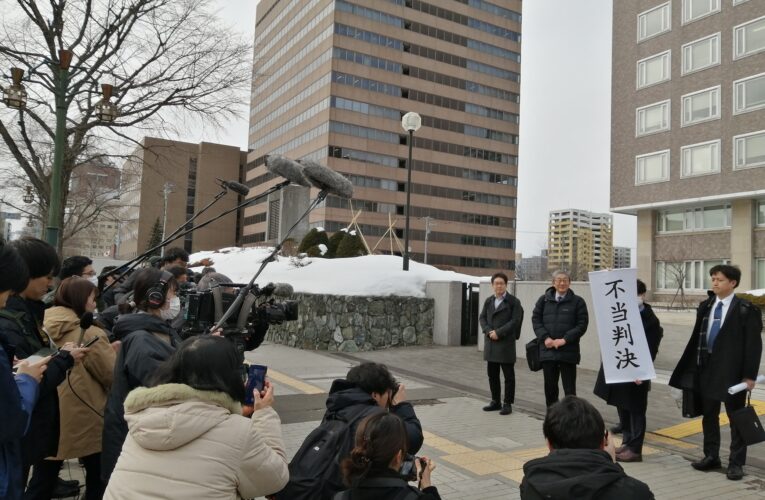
(411, 123)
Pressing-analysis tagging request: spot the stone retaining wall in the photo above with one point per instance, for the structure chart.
(352, 324)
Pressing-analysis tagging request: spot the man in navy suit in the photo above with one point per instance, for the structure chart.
(724, 350)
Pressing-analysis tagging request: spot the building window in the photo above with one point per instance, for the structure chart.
(693, 274)
(701, 106)
(696, 9)
(749, 150)
(749, 94)
(652, 167)
(761, 213)
(701, 54)
(700, 159)
(652, 118)
(736, 2)
(653, 70)
(708, 218)
(654, 22)
(749, 38)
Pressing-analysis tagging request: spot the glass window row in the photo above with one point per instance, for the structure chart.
(299, 79)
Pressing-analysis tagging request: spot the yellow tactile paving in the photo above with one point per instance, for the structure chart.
(444, 445)
(655, 438)
(296, 384)
(513, 475)
(529, 453)
(692, 427)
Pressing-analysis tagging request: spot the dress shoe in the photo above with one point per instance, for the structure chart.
(620, 449)
(69, 483)
(707, 463)
(493, 406)
(628, 455)
(66, 489)
(506, 409)
(616, 429)
(735, 472)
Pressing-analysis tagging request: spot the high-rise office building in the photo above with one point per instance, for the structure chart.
(579, 241)
(688, 138)
(331, 82)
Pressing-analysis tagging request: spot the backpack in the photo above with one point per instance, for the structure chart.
(405, 493)
(315, 468)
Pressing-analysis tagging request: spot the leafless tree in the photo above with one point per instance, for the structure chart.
(675, 275)
(170, 62)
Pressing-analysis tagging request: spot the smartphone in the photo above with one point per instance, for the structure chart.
(256, 379)
(408, 469)
(91, 342)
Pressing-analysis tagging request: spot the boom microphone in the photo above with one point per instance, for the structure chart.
(86, 321)
(289, 169)
(283, 290)
(236, 187)
(327, 179)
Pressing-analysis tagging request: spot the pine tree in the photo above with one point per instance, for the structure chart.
(351, 246)
(314, 238)
(155, 237)
(334, 243)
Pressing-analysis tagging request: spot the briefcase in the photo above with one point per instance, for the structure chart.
(748, 424)
(691, 403)
(532, 355)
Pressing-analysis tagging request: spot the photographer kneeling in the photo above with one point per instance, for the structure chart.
(377, 469)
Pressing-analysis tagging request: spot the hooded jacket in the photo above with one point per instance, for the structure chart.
(82, 396)
(187, 443)
(24, 337)
(567, 319)
(147, 341)
(583, 474)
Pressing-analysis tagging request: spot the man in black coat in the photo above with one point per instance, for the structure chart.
(631, 398)
(724, 350)
(580, 464)
(501, 319)
(560, 319)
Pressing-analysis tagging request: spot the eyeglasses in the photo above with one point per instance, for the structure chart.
(89, 273)
(561, 280)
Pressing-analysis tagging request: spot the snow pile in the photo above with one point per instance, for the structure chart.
(367, 276)
(758, 292)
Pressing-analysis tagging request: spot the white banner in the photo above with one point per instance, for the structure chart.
(623, 346)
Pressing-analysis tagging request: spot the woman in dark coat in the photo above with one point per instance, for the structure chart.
(501, 319)
(373, 471)
(631, 398)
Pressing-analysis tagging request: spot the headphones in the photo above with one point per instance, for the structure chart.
(157, 294)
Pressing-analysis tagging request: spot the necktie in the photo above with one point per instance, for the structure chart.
(715, 329)
(560, 298)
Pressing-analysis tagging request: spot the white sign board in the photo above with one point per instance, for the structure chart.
(623, 346)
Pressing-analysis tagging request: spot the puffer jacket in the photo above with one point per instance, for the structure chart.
(566, 319)
(187, 443)
(582, 474)
(82, 397)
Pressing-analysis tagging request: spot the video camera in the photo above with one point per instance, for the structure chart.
(247, 328)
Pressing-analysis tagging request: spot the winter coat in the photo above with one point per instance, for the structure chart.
(736, 354)
(629, 395)
(82, 397)
(147, 341)
(581, 474)
(566, 319)
(187, 443)
(18, 395)
(506, 320)
(366, 491)
(24, 337)
(345, 398)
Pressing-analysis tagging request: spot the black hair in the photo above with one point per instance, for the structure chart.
(177, 271)
(499, 275)
(173, 254)
(372, 377)
(145, 280)
(379, 438)
(733, 273)
(573, 423)
(40, 257)
(14, 275)
(641, 289)
(74, 266)
(206, 363)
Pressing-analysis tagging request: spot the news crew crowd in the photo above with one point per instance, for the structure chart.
(150, 415)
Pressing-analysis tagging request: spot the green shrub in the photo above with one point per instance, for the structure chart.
(758, 300)
(351, 246)
(312, 239)
(334, 243)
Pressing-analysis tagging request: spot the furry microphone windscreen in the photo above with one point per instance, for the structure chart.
(327, 179)
(289, 169)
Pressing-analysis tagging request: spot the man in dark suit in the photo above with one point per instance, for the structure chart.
(500, 320)
(724, 350)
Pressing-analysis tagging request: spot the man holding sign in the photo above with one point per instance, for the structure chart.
(724, 349)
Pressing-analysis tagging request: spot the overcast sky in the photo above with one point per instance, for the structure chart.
(565, 113)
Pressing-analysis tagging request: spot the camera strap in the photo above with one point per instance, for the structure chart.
(217, 295)
(244, 312)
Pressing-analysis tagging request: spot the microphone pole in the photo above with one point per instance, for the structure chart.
(244, 291)
(175, 235)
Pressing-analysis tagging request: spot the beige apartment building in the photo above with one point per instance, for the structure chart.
(688, 138)
(579, 241)
(331, 82)
(189, 172)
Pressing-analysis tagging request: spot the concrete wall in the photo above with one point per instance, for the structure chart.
(447, 323)
(528, 292)
(352, 324)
